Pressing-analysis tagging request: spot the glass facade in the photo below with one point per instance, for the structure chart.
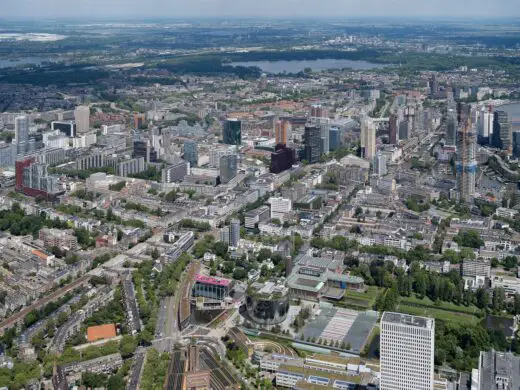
(267, 311)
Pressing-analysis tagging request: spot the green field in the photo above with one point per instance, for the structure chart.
(360, 300)
(439, 314)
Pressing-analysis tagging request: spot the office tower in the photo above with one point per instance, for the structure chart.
(406, 352)
(82, 117)
(434, 86)
(368, 139)
(130, 167)
(516, 144)
(317, 111)
(283, 132)
(228, 168)
(404, 129)
(485, 127)
(139, 120)
(66, 127)
(175, 172)
(191, 153)
(312, 142)
(392, 128)
(466, 163)
(280, 207)
(282, 159)
(21, 134)
(232, 132)
(334, 139)
(380, 164)
(324, 125)
(143, 148)
(451, 127)
(224, 234)
(234, 233)
(502, 131)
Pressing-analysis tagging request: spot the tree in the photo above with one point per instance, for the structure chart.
(239, 273)
(116, 382)
(469, 239)
(510, 262)
(499, 299)
(155, 254)
(127, 346)
(263, 255)
(482, 298)
(221, 248)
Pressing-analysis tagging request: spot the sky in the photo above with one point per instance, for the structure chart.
(468, 9)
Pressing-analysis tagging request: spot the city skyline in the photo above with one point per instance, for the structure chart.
(30, 9)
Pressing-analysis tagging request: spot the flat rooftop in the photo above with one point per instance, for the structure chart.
(409, 320)
(211, 280)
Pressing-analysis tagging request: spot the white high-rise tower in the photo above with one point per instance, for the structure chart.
(21, 134)
(407, 352)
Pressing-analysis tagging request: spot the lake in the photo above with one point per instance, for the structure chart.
(315, 65)
(21, 61)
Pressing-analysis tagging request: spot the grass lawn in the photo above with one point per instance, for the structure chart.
(361, 299)
(441, 305)
(439, 314)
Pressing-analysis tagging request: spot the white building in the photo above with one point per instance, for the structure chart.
(407, 352)
(82, 117)
(280, 207)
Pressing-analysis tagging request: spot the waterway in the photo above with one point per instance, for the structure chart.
(296, 66)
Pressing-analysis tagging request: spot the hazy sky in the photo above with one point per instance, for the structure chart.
(282, 8)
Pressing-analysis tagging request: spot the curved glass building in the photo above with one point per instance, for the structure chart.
(267, 304)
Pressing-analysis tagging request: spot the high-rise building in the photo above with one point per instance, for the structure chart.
(317, 111)
(143, 148)
(21, 134)
(33, 179)
(451, 127)
(280, 207)
(334, 139)
(392, 128)
(312, 142)
(516, 144)
(485, 127)
(407, 352)
(282, 159)
(380, 164)
(434, 86)
(175, 172)
(234, 233)
(232, 133)
(191, 152)
(466, 162)
(502, 134)
(368, 139)
(228, 168)
(139, 120)
(82, 118)
(283, 132)
(66, 127)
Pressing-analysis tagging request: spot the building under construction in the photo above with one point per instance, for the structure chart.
(466, 163)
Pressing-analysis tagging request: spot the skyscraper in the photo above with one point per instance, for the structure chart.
(312, 142)
(368, 139)
(21, 134)
(317, 111)
(334, 139)
(232, 132)
(502, 131)
(407, 352)
(485, 127)
(228, 168)
(283, 130)
(380, 164)
(191, 152)
(234, 233)
(466, 163)
(516, 144)
(282, 159)
(392, 128)
(451, 127)
(82, 118)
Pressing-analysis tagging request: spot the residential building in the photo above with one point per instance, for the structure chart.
(254, 217)
(496, 371)
(234, 233)
(474, 268)
(130, 167)
(63, 239)
(175, 172)
(407, 350)
(466, 163)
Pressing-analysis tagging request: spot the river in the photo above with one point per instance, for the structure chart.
(316, 65)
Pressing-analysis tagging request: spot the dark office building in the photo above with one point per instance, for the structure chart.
(516, 144)
(191, 152)
(312, 142)
(282, 159)
(502, 136)
(67, 127)
(228, 168)
(392, 127)
(232, 132)
(143, 148)
(334, 139)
